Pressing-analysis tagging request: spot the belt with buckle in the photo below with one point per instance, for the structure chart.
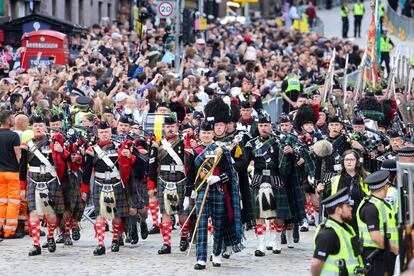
(42, 185)
(107, 187)
(107, 175)
(266, 172)
(41, 169)
(172, 168)
(171, 185)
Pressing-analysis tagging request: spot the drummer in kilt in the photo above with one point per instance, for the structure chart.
(108, 192)
(40, 175)
(269, 195)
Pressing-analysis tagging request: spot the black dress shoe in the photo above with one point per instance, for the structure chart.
(199, 267)
(68, 240)
(277, 251)
(259, 253)
(216, 264)
(154, 230)
(165, 249)
(144, 229)
(269, 247)
(76, 233)
(127, 238)
(184, 244)
(36, 250)
(60, 239)
(115, 246)
(51, 245)
(100, 250)
(121, 240)
(284, 241)
(133, 234)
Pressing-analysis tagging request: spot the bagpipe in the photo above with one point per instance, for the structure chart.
(288, 139)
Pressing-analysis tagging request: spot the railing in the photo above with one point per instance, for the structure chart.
(319, 27)
(321, 4)
(273, 105)
(401, 25)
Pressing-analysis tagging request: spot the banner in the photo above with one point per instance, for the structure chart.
(371, 69)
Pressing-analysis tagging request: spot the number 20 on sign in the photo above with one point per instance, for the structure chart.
(165, 9)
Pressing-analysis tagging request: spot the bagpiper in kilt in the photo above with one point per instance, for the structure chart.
(268, 189)
(294, 156)
(137, 195)
(328, 162)
(168, 166)
(308, 134)
(40, 171)
(108, 191)
(70, 183)
(136, 188)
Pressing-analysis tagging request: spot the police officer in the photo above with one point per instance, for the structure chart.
(386, 47)
(336, 244)
(83, 108)
(373, 215)
(359, 11)
(291, 88)
(345, 20)
(392, 193)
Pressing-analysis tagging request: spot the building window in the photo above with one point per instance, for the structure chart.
(109, 9)
(81, 12)
(54, 7)
(68, 10)
(99, 10)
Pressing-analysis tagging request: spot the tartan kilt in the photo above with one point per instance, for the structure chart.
(121, 202)
(279, 191)
(181, 195)
(137, 193)
(72, 195)
(296, 199)
(55, 194)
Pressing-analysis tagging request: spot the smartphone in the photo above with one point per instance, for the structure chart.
(36, 84)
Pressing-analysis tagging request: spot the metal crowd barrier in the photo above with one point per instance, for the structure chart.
(321, 4)
(273, 106)
(402, 25)
(319, 27)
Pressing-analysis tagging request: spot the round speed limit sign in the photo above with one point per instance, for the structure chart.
(165, 9)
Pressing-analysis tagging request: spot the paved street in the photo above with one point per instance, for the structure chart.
(142, 259)
(333, 28)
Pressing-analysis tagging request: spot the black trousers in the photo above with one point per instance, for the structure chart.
(345, 27)
(357, 25)
(378, 264)
(385, 57)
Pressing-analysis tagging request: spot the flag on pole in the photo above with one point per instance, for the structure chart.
(371, 71)
(378, 25)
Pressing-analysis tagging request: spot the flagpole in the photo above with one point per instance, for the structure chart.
(345, 82)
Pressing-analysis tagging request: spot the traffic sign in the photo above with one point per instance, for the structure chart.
(246, 1)
(165, 8)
